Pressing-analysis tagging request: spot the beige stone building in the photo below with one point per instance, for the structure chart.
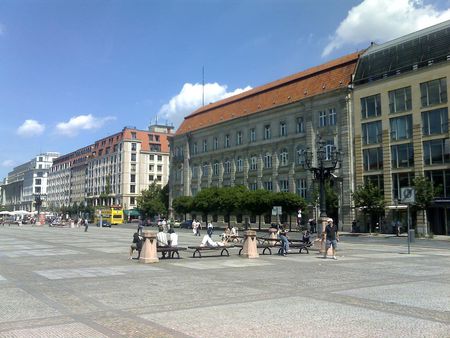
(256, 138)
(401, 120)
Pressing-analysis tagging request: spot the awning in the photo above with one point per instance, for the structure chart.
(132, 212)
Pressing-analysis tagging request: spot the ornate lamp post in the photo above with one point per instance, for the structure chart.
(326, 162)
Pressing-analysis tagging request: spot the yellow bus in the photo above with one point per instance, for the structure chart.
(112, 215)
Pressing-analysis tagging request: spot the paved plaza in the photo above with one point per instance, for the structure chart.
(63, 282)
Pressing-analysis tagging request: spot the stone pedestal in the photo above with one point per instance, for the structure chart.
(250, 249)
(149, 253)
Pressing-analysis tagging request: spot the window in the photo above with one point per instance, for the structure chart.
(252, 135)
(133, 157)
(150, 137)
(205, 146)
(194, 172)
(157, 138)
(284, 185)
(194, 148)
(216, 168)
(151, 167)
(226, 141)
(239, 138)
(159, 158)
(283, 129)
(132, 200)
(440, 178)
(150, 178)
(239, 164)
(37, 190)
(436, 151)
(227, 167)
(301, 187)
(371, 132)
(253, 163)
(329, 149)
(133, 135)
(376, 180)
(300, 125)
(205, 169)
(401, 180)
(300, 156)
(401, 128)
(215, 143)
(402, 155)
(152, 157)
(332, 116)
(155, 147)
(400, 100)
(267, 161)
(159, 168)
(133, 178)
(284, 158)
(322, 118)
(159, 178)
(370, 106)
(132, 189)
(133, 167)
(133, 147)
(37, 181)
(373, 159)
(267, 132)
(435, 121)
(40, 174)
(252, 186)
(433, 92)
(268, 185)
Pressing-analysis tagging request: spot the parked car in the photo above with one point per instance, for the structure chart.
(104, 224)
(187, 224)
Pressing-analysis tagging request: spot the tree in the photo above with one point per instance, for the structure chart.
(206, 201)
(332, 200)
(183, 205)
(425, 194)
(289, 202)
(230, 199)
(150, 201)
(165, 196)
(370, 199)
(257, 202)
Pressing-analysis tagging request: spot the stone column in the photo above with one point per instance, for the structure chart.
(149, 253)
(250, 249)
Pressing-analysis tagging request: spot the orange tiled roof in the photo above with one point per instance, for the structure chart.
(313, 81)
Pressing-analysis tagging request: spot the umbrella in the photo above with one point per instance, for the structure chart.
(21, 212)
(6, 213)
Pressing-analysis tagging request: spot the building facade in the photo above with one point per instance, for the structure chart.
(26, 182)
(256, 139)
(401, 120)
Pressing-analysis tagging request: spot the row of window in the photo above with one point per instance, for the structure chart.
(431, 93)
(439, 178)
(402, 155)
(434, 122)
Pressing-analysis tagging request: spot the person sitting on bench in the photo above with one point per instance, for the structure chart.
(173, 237)
(207, 241)
(161, 237)
(136, 245)
(306, 237)
(226, 235)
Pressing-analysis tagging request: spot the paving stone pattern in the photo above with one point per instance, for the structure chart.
(63, 282)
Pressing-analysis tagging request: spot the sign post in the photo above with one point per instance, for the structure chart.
(408, 196)
(276, 211)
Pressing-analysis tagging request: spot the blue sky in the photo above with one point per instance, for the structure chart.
(72, 72)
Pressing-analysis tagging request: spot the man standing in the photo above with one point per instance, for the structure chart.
(332, 237)
(86, 224)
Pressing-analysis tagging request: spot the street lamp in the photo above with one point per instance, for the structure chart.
(328, 159)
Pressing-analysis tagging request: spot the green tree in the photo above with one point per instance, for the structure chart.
(289, 202)
(183, 205)
(332, 200)
(258, 202)
(165, 196)
(150, 202)
(207, 200)
(370, 199)
(425, 194)
(230, 200)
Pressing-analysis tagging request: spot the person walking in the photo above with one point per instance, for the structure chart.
(332, 237)
(140, 226)
(86, 225)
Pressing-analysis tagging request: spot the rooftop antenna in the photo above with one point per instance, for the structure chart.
(203, 86)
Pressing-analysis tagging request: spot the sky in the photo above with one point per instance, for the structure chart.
(75, 71)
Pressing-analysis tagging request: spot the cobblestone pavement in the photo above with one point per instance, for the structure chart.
(62, 282)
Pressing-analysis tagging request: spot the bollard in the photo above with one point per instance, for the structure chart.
(149, 253)
(250, 249)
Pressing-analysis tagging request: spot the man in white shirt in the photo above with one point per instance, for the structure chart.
(173, 237)
(161, 238)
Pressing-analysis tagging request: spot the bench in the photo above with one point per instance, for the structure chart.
(198, 249)
(301, 246)
(170, 251)
(265, 247)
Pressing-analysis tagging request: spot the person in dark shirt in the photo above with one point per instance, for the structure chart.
(136, 245)
(332, 237)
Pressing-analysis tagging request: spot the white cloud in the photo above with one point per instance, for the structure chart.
(30, 128)
(383, 20)
(190, 98)
(8, 163)
(79, 123)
